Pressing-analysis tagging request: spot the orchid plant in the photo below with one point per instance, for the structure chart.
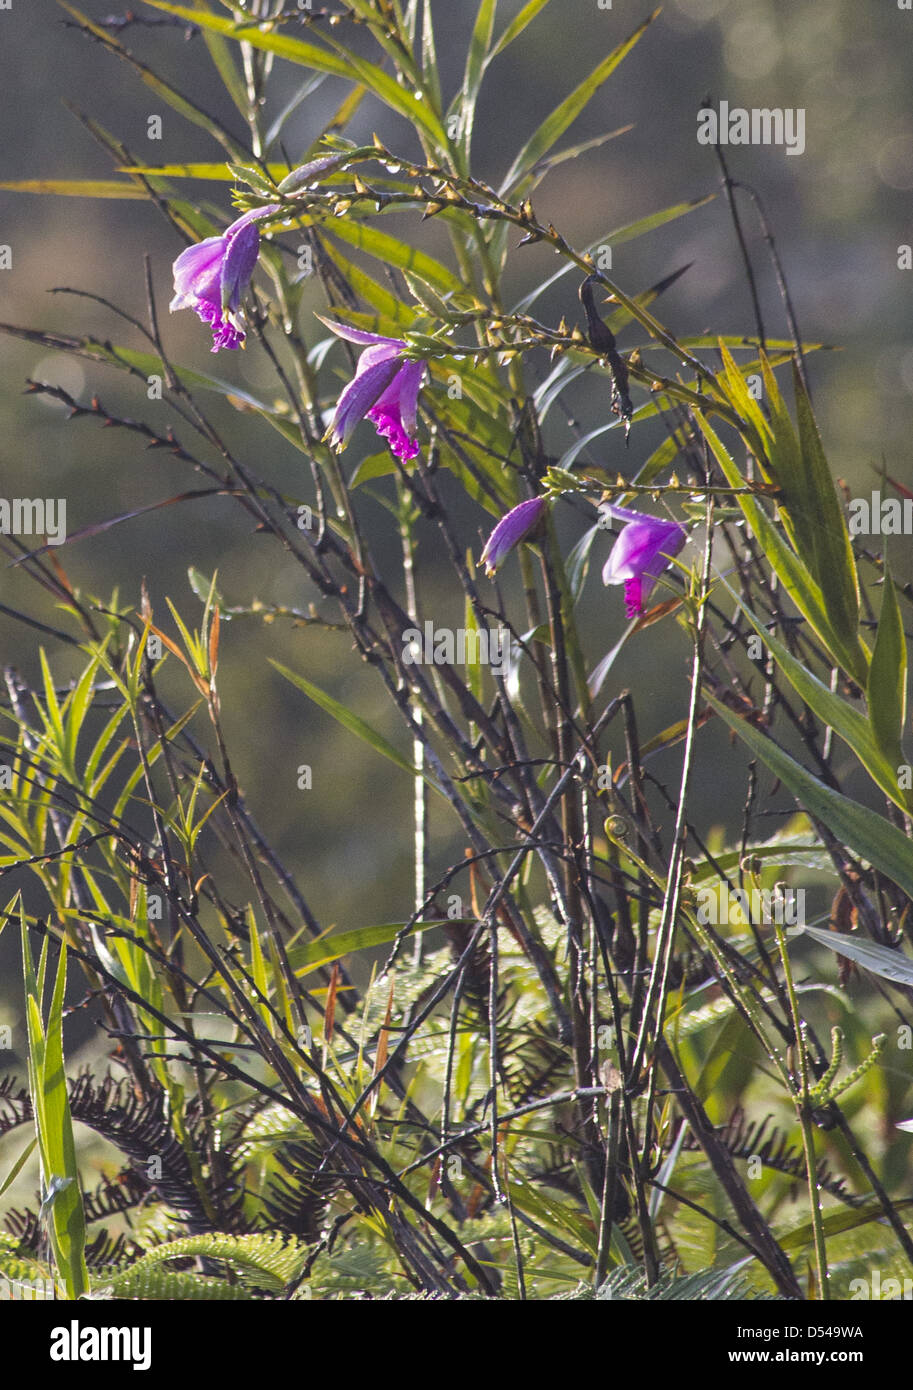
(556, 1069)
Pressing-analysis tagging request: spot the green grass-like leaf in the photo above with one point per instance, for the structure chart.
(554, 126)
(812, 506)
(794, 574)
(886, 692)
(329, 948)
(76, 188)
(339, 63)
(871, 836)
(350, 721)
(857, 731)
(53, 1122)
(891, 965)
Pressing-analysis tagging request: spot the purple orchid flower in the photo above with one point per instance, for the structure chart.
(384, 388)
(641, 553)
(212, 276)
(513, 528)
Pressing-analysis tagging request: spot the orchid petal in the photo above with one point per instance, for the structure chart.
(514, 527)
(196, 271)
(255, 215)
(627, 513)
(357, 335)
(359, 396)
(238, 266)
(378, 352)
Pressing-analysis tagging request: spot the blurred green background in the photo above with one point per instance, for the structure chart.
(839, 212)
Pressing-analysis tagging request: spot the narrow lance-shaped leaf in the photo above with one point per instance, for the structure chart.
(886, 692)
(813, 517)
(62, 1197)
(76, 188)
(429, 54)
(891, 965)
(341, 63)
(389, 250)
(799, 583)
(138, 363)
(326, 949)
(350, 721)
(258, 971)
(848, 723)
(394, 311)
(759, 434)
(564, 114)
(836, 1223)
(220, 52)
(869, 835)
(69, 1215)
(213, 171)
(18, 1166)
(473, 666)
(516, 26)
(479, 44)
(301, 93)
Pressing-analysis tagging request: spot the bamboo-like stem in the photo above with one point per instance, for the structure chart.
(802, 1102)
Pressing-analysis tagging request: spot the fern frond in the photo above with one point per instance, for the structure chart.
(164, 1286)
(268, 1262)
(746, 1140)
